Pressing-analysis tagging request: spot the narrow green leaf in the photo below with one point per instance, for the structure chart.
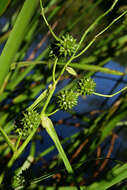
(16, 37)
(80, 66)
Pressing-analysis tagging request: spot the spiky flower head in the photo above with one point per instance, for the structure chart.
(86, 86)
(65, 47)
(28, 121)
(67, 99)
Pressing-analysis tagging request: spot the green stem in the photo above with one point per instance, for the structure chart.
(100, 33)
(109, 96)
(7, 140)
(83, 37)
(18, 153)
(50, 29)
(16, 37)
(65, 66)
(18, 141)
(91, 27)
(53, 71)
(51, 91)
(52, 112)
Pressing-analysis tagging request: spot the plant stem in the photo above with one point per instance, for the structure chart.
(51, 91)
(18, 141)
(109, 96)
(53, 71)
(17, 153)
(100, 33)
(84, 35)
(52, 112)
(7, 140)
(91, 27)
(50, 29)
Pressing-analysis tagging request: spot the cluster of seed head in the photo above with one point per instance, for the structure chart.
(86, 86)
(67, 99)
(65, 47)
(30, 120)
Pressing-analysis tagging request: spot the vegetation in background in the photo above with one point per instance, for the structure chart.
(39, 51)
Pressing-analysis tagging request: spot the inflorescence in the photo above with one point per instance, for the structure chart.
(28, 121)
(65, 47)
(67, 99)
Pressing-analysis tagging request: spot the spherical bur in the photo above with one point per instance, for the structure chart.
(67, 99)
(86, 86)
(65, 47)
(30, 121)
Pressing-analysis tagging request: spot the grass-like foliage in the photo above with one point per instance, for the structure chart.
(29, 92)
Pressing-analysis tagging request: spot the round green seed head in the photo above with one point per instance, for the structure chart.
(67, 99)
(86, 86)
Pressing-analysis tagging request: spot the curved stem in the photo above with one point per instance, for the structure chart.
(111, 95)
(52, 112)
(50, 29)
(93, 40)
(96, 22)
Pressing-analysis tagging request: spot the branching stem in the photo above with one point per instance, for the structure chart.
(109, 96)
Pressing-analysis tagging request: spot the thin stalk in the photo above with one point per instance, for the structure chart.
(83, 37)
(7, 140)
(100, 33)
(91, 27)
(111, 95)
(53, 112)
(18, 141)
(65, 66)
(53, 71)
(17, 153)
(50, 29)
(51, 91)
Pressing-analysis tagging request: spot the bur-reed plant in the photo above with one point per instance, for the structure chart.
(67, 49)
